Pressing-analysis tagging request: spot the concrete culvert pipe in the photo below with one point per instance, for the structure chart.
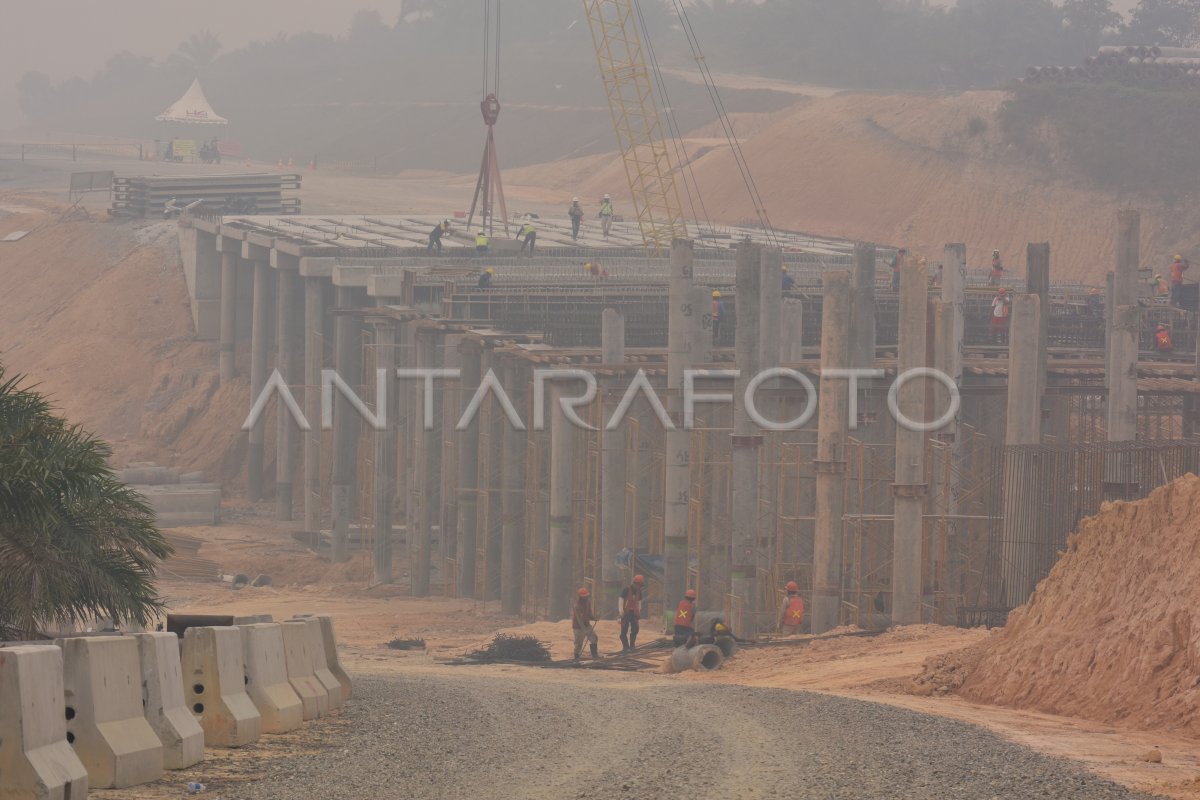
(705, 657)
(727, 645)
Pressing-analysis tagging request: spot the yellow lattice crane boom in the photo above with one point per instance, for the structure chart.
(639, 129)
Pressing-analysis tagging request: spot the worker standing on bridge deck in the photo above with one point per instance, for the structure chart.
(997, 269)
(685, 620)
(575, 212)
(629, 611)
(528, 236)
(606, 215)
(1178, 267)
(718, 311)
(435, 236)
(1160, 286)
(485, 278)
(482, 243)
(791, 613)
(1095, 305)
(1163, 343)
(789, 282)
(897, 260)
(582, 623)
(1001, 308)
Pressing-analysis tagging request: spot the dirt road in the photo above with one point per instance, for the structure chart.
(429, 731)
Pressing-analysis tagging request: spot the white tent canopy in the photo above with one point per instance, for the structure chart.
(193, 107)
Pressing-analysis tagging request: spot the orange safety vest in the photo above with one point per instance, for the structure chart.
(633, 601)
(795, 611)
(685, 614)
(1162, 340)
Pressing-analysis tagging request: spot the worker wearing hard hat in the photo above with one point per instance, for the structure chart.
(485, 278)
(1001, 310)
(789, 282)
(1163, 343)
(583, 621)
(1160, 286)
(1095, 304)
(528, 236)
(482, 243)
(629, 609)
(685, 620)
(1178, 266)
(997, 273)
(791, 613)
(435, 237)
(606, 215)
(575, 212)
(717, 312)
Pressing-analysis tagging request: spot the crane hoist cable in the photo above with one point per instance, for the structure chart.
(726, 123)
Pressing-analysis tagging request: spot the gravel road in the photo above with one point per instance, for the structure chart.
(481, 732)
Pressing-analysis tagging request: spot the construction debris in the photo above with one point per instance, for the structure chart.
(406, 644)
(505, 647)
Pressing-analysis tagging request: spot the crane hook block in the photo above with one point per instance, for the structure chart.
(491, 109)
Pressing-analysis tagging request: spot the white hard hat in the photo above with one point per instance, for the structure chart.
(574, 199)
(606, 197)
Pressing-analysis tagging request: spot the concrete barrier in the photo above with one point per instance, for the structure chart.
(316, 651)
(314, 698)
(103, 691)
(36, 762)
(162, 700)
(214, 684)
(267, 679)
(331, 656)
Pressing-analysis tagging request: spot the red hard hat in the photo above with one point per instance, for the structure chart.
(583, 592)
(792, 586)
(639, 578)
(690, 594)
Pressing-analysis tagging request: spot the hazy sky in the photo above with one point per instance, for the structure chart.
(66, 38)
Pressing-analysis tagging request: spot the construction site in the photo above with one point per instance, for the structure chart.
(900, 491)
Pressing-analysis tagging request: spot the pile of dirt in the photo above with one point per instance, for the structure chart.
(1113, 633)
(945, 673)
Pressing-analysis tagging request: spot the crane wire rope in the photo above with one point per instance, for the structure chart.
(739, 157)
(686, 171)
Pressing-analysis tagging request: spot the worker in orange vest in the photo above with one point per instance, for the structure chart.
(685, 620)
(583, 623)
(1163, 343)
(791, 613)
(1178, 267)
(629, 612)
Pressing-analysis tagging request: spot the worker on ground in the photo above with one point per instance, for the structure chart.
(718, 311)
(789, 282)
(997, 269)
(482, 243)
(629, 611)
(606, 215)
(1160, 286)
(791, 613)
(1001, 310)
(435, 236)
(528, 236)
(595, 270)
(1095, 305)
(583, 623)
(1163, 343)
(685, 620)
(485, 278)
(1178, 266)
(896, 261)
(575, 212)
(721, 631)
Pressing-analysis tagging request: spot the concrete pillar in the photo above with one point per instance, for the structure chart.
(228, 368)
(1037, 282)
(678, 441)
(770, 310)
(700, 338)
(426, 483)
(612, 466)
(287, 326)
(314, 360)
(260, 337)
(831, 453)
(863, 284)
(561, 550)
(447, 415)
(791, 332)
(747, 444)
(493, 482)
(384, 456)
(512, 535)
(1121, 367)
(1023, 427)
(467, 492)
(346, 423)
(909, 488)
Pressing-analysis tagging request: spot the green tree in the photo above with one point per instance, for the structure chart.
(75, 542)
(198, 51)
(1171, 23)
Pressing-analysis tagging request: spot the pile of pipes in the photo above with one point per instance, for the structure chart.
(1167, 66)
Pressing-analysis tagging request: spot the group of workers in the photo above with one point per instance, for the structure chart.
(684, 632)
